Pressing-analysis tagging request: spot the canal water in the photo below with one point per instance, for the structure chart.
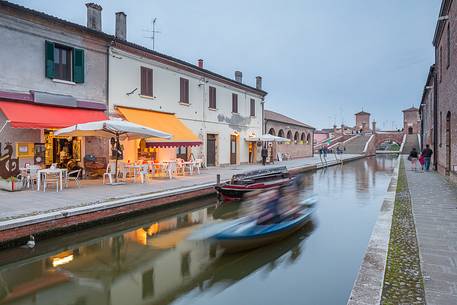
(149, 260)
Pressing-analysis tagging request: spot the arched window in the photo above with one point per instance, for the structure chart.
(308, 138)
(302, 138)
(289, 135)
(296, 137)
(272, 132)
(281, 133)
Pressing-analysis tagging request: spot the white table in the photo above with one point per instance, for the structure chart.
(60, 171)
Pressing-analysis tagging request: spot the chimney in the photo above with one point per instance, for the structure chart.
(200, 63)
(121, 25)
(239, 76)
(258, 82)
(94, 16)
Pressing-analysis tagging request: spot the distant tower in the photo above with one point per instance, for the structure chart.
(374, 126)
(362, 121)
(411, 121)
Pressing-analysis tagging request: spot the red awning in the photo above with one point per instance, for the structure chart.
(23, 115)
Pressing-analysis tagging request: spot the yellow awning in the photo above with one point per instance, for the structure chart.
(166, 122)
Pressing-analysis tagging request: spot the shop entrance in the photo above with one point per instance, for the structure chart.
(61, 150)
(252, 152)
(211, 150)
(233, 149)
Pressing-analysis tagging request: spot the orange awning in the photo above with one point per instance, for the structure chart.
(166, 122)
(24, 115)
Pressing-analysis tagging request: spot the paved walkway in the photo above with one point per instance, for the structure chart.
(435, 213)
(28, 203)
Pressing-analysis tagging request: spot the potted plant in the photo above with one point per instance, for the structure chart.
(12, 184)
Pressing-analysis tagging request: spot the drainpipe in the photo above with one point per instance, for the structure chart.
(108, 49)
(435, 122)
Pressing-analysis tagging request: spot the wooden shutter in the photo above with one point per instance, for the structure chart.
(184, 90)
(234, 102)
(212, 97)
(49, 59)
(78, 66)
(146, 81)
(252, 107)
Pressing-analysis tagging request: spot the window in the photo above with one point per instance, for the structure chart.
(64, 63)
(281, 133)
(212, 97)
(289, 135)
(184, 90)
(272, 131)
(146, 81)
(448, 45)
(296, 136)
(234, 103)
(308, 138)
(252, 107)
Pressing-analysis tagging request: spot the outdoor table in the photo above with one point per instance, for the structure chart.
(60, 171)
(135, 168)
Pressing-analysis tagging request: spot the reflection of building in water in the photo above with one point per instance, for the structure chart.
(154, 267)
(142, 266)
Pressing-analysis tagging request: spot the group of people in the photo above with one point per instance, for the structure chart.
(424, 158)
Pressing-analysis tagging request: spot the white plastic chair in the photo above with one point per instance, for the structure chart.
(110, 172)
(32, 176)
(197, 165)
(143, 172)
(180, 166)
(52, 178)
(53, 166)
(171, 168)
(73, 176)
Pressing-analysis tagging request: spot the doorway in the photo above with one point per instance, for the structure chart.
(233, 149)
(252, 152)
(448, 142)
(211, 150)
(410, 130)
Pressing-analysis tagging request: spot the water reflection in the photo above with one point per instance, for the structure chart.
(152, 262)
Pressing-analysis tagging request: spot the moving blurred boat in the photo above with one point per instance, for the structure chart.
(250, 234)
(262, 179)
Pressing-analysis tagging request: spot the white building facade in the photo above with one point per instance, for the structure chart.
(223, 113)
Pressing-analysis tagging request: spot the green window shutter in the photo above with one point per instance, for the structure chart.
(49, 59)
(78, 66)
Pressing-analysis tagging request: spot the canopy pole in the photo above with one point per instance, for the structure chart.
(117, 153)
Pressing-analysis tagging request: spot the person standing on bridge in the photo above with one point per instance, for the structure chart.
(427, 153)
(264, 154)
(413, 158)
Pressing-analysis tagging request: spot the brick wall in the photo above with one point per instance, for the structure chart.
(447, 93)
(296, 149)
(18, 135)
(411, 119)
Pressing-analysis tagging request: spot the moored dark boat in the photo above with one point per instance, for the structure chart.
(262, 179)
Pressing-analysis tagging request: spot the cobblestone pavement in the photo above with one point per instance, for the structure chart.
(26, 203)
(403, 283)
(435, 214)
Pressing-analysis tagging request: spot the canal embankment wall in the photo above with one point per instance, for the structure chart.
(367, 289)
(16, 231)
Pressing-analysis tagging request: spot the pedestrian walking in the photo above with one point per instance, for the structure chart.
(422, 162)
(264, 154)
(413, 159)
(427, 153)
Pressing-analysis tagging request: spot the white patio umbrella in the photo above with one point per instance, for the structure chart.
(271, 138)
(118, 128)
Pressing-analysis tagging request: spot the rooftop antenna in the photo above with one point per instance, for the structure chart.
(153, 32)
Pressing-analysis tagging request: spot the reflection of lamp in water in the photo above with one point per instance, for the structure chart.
(153, 229)
(57, 261)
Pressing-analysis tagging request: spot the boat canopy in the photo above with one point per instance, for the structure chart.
(261, 173)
